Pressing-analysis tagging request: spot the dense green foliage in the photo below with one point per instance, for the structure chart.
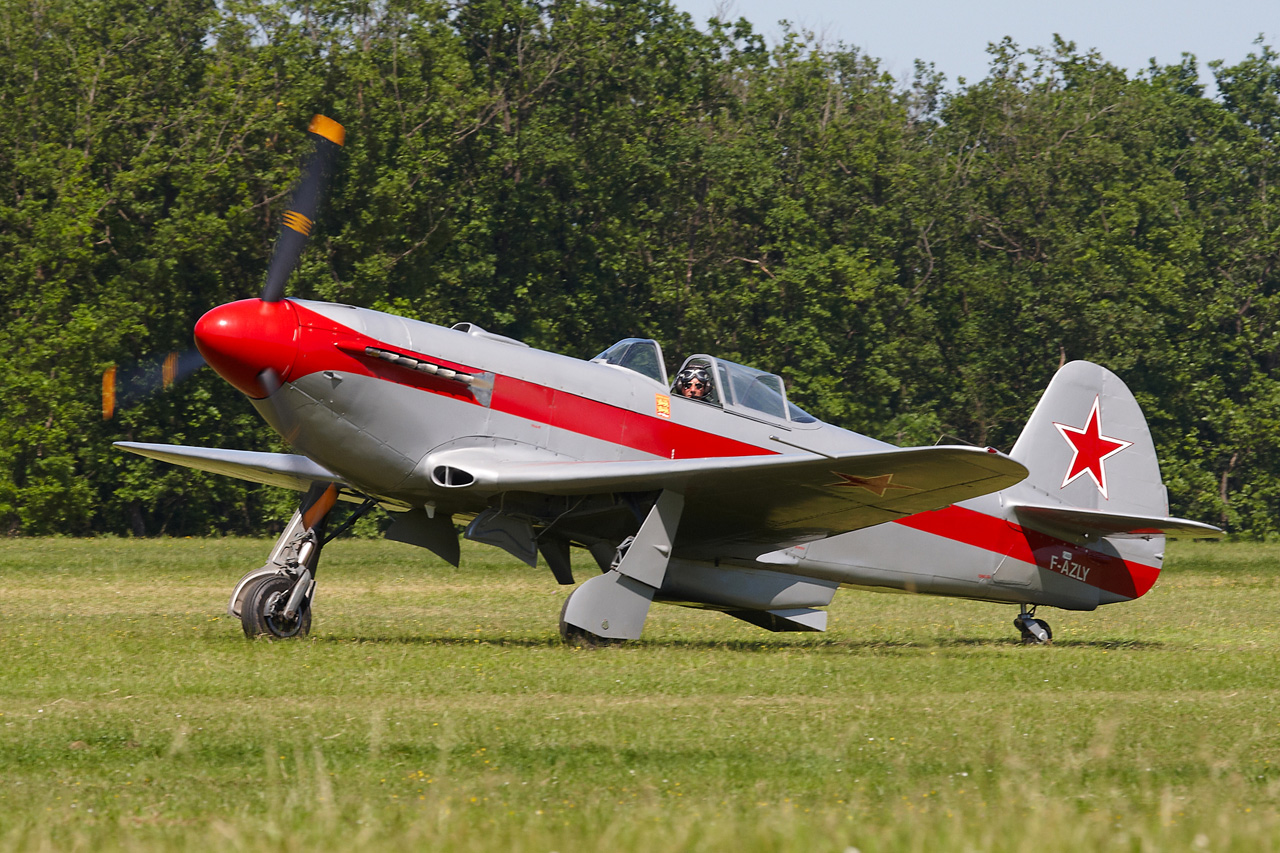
(916, 260)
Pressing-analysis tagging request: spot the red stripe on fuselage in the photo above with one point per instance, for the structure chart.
(648, 434)
(1000, 536)
(326, 345)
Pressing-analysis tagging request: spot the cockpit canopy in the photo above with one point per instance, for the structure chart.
(734, 387)
(747, 391)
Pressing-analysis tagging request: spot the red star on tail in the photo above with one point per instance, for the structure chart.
(1089, 449)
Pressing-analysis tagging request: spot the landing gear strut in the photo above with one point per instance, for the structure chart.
(613, 606)
(1034, 631)
(275, 600)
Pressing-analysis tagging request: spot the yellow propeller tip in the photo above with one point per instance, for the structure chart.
(109, 393)
(328, 128)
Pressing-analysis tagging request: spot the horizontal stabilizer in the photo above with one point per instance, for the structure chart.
(1101, 523)
(286, 470)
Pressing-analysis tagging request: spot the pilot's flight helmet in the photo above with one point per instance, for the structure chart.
(693, 382)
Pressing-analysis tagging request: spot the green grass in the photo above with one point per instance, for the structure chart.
(434, 708)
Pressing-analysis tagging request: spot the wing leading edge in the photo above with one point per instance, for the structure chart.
(286, 470)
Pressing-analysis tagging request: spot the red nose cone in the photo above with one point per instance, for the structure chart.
(242, 339)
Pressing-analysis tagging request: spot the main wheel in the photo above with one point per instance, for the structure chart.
(262, 613)
(572, 635)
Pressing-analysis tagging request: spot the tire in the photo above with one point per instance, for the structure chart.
(1030, 639)
(572, 635)
(258, 616)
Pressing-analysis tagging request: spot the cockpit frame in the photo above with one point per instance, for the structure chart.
(748, 392)
(736, 388)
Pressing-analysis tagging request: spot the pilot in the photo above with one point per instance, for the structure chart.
(694, 383)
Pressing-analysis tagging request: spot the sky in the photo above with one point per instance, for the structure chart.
(954, 35)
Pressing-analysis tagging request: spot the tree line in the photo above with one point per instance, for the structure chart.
(916, 259)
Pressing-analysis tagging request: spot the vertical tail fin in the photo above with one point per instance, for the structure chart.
(1087, 446)
(1094, 482)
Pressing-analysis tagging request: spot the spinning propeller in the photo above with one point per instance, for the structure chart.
(249, 343)
(124, 386)
(253, 343)
(304, 206)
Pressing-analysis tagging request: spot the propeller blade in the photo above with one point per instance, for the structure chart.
(315, 513)
(109, 393)
(286, 422)
(123, 387)
(304, 206)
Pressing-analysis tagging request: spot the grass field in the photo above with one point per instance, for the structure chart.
(434, 708)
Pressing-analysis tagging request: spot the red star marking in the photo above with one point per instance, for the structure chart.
(1089, 449)
(876, 485)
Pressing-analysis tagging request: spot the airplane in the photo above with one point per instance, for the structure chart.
(711, 491)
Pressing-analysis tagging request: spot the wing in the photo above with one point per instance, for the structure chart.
(735, 505)
(1087, 521)
(274, 469)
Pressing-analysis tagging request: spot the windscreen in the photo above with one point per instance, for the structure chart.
(643, 355)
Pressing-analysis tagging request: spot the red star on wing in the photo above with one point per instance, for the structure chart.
(1090, 448)
(876, 485)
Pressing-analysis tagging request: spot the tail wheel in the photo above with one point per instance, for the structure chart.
(1024, 624)
(262, 613)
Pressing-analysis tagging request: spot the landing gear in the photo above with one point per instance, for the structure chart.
(265, 609)
(1034, 631)
(275, 600)
(572, 635)
(613, 606)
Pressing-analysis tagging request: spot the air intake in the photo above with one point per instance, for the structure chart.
(449, 477)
